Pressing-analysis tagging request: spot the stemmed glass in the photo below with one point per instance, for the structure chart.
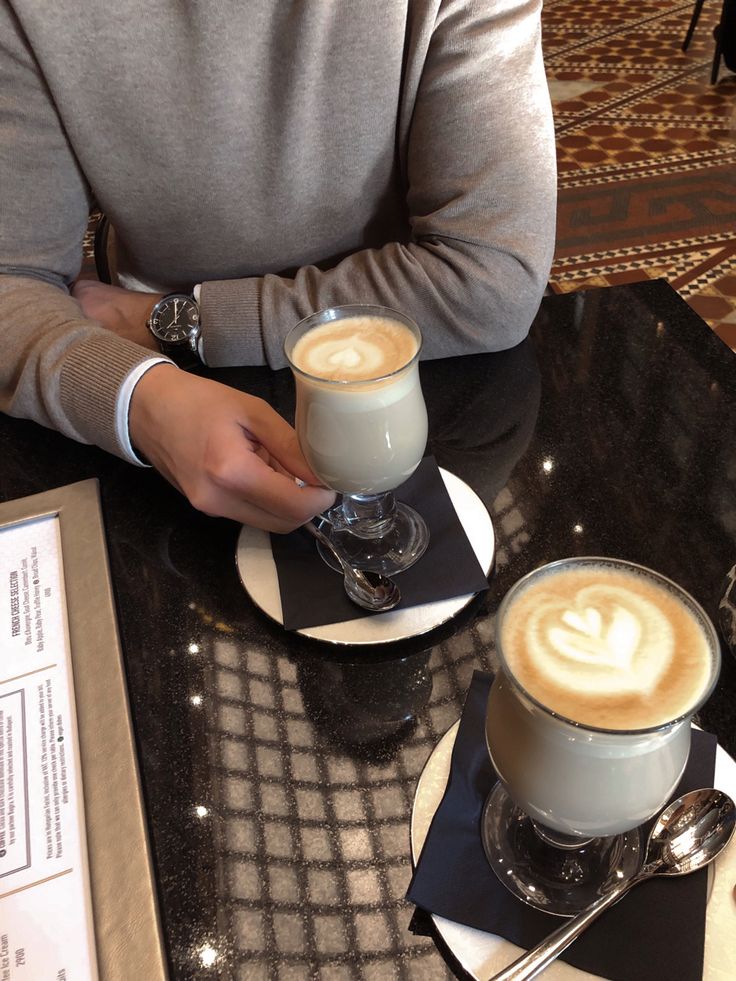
(363, 438)
(561, 826)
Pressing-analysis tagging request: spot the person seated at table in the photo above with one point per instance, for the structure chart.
(275, 158)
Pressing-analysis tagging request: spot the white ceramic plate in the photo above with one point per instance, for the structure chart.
(485, 954)
(258, 574)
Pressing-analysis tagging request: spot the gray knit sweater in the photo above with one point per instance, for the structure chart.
(288, 155)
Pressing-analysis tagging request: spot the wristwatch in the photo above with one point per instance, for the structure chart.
(174, 322)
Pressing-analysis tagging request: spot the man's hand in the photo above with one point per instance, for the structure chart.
(229, 453)
(124, 312)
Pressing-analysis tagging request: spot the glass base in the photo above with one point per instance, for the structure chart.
(561, 878)
(395, 551)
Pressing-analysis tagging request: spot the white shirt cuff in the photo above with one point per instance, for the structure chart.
(200, 341)
(122, 408)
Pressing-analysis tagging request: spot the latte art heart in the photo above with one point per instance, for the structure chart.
(584, 637)
(349, 354)
(348, 357)
(602, 639)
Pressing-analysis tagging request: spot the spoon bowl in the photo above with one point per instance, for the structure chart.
(690, 833)
(369, 590)
(687, 836)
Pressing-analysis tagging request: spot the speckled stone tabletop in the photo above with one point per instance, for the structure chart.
(279, 772)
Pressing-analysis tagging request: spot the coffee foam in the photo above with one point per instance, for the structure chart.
(355, 349)
(606, 647)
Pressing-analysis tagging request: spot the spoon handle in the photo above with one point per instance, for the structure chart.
(539, 957)
(330, 546)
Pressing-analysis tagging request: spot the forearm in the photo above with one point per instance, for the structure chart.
(464, 300)
(59, 368)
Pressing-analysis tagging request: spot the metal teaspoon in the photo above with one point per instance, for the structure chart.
(688, 835)
(370, 590)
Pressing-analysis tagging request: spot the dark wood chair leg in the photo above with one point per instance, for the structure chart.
(693, 22)
(716, 59)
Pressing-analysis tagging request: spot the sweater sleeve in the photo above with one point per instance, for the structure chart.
(481, 197)
(56, 367)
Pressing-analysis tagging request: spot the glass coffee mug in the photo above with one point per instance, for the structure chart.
(361, 422)
(603, 665)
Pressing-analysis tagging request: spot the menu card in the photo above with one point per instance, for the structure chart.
(46, 926)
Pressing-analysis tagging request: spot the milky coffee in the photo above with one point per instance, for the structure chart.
(613, 647)
(607, 645)
(361, 418)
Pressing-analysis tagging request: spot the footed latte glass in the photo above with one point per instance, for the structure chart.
(362, 426)
(603, 665)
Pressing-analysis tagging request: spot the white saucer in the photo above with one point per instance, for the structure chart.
(258, 574)
(485, 954)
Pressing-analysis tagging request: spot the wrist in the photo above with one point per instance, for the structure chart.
(149, 392)
(122, 409)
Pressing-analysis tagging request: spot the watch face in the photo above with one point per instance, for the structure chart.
(176, 319)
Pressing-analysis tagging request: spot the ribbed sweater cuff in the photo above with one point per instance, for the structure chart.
(231, 322)
(89, 386)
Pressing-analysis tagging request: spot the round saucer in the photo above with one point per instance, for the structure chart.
(258, 575)
(483, 955)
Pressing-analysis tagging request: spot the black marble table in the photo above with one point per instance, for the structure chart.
(278, 772)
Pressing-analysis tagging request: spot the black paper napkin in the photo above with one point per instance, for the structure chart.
(656, 931)
(312, 594)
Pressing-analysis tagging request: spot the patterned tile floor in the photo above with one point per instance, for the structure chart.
(646, 151)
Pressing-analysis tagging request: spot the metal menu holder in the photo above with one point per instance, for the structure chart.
(77, 892)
